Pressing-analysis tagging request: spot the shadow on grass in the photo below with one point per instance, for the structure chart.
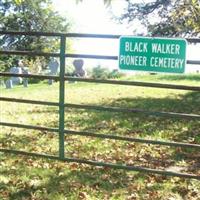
(74, 182)
(183, 103)
(138, 124)
(42, 142)
(151, 127)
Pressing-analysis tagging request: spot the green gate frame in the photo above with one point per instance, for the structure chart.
(62, 105)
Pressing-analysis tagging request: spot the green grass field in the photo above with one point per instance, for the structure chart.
(23, 177)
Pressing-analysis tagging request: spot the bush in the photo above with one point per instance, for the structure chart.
(104, 73)
(69, 70)
(99, 72)
(115, 74)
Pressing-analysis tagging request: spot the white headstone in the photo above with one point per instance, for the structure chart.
(53, 67)
(16, 80)
(25, 80)
(9, 84)
(78, 65)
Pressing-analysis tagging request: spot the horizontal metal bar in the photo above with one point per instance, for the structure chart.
(40, 128)
(83, 35)
(134, 83)
(193, 40)
(138, 140)
(132, 168)
(12, 151)
(115, 82)
(7, 74)
(29, 101)
(115, 137)
(89, 35)
(29, 53)
(193, 62)
(135, 110)
(91, 56)
(104, 164)
(54, 34)
(32, 33)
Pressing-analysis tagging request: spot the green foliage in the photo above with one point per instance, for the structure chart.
(165, 17)
(29, 15)
(69, 70)
(99, 72)
(115, 74)
(6, 62)
(104, 73)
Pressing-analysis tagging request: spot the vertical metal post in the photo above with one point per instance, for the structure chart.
(62, 97)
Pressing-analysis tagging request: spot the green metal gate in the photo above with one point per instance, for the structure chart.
(62, 55)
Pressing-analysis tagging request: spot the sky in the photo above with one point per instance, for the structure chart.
(92, 16)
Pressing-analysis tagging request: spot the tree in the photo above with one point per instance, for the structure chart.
(30, 15)
(165, 17)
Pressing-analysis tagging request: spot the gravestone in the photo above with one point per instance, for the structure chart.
(9, 84)
(25, 80)
(18, 69)
(14, 80)
(78, 65)
(53, 67)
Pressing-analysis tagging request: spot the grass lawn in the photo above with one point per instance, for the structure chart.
(23, 177)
